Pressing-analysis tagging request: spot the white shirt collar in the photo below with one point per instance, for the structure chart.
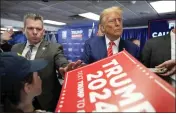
(115, 41)
(36, 45)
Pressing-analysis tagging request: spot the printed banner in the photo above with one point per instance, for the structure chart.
(73, 38)
(115, 84)
(160, 27)
(77, 34)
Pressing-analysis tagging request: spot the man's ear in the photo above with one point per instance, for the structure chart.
(102, 28)
(23, 30)
(27, 88)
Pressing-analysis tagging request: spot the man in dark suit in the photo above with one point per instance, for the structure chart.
(50, 85)
(36, 47)
(111, 25)
(158, 50)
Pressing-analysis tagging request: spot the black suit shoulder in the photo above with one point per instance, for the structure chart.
(156, 51)
(159, 39)
(16, 45)
(6, 47)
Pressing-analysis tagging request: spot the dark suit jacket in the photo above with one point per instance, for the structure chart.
(5, 47)
(156, 51)
(95, 49)
(51, 88)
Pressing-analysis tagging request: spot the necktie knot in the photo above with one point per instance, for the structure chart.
(31, 47)
(111, 43)
(29, 52)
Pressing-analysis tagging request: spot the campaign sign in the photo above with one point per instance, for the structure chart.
(76, 33)
(115, 84)
(160, 27)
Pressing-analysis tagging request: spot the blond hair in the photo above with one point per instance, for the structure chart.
(32, 16)
(108, 10)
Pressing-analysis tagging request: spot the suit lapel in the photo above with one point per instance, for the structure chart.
(167, 41)
(102, 47)
(42, 48)
(121, 45)
(21, 48)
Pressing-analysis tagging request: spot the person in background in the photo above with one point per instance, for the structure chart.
(6, 36)
(135, 41)
(161, 50)
(36, 47)
(111, 24)
(20, 82)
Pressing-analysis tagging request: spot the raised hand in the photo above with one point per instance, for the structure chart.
(7, 35)
(71, 66)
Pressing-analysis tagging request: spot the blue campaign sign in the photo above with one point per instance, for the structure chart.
(160, 27)
(72, 39)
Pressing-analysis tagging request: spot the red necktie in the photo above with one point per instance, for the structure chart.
(110, 52)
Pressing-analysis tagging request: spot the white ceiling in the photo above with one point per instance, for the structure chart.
(136, 14)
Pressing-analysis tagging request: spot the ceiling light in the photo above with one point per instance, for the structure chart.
(163, 6)
(54, 22)
(133, 2)
(90, 15)
(4, 29)
(15, 29)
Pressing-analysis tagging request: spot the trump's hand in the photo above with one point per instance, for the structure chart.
(71, 66)
(171, 67)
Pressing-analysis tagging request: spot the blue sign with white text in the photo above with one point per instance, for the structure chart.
(160, 27)
(72, 39)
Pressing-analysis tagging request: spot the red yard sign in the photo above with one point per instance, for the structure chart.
(115, 84)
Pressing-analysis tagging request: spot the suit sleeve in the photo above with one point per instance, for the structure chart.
(59, 58)
(137, 55)
(6, 47)
(14, 48)
(146, 54)
(85, 57)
